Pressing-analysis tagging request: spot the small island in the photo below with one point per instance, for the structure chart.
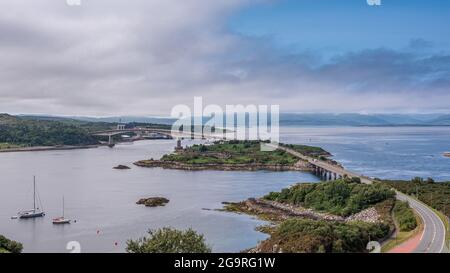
(153, 201)
(235, 155)
(121, 167)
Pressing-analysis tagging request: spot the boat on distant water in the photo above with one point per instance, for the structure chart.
(446, 154)
(37, 210)
(61, 220)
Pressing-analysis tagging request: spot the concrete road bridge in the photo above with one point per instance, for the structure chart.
(324, 169)
(144, 130)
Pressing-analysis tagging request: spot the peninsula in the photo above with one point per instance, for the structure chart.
(337, 216)
(234, 155)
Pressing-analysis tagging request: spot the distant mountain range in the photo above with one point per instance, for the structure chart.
(365, 120)
(293, 119)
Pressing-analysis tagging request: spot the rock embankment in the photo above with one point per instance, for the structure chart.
(299, 166)
(369, 215)
(153, 201)
(279, 211)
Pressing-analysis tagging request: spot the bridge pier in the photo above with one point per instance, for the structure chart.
(324, 174)
(321, 173)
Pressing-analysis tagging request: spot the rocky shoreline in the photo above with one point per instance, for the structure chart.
(47, 148)
(275, 211)
(299, 166)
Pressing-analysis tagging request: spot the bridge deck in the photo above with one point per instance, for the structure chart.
(326, 166)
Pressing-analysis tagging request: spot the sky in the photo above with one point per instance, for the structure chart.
(143, 57)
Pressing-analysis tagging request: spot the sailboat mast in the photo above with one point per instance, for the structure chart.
(63, 206)
(34, 193)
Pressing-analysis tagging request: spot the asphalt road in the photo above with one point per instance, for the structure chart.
(433, 237)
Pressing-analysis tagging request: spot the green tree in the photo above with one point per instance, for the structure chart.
(9, 245)
(168, 240)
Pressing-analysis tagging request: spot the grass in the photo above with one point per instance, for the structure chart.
(310, 151)
(402, 236)
(232, 152)
(4, 146)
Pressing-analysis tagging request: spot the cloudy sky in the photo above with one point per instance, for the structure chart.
(142, 57)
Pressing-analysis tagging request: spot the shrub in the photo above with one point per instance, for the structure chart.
(168, 240)
(436, 195)
(9, 245)
(310, 236)
(341, 197)
(404, 216)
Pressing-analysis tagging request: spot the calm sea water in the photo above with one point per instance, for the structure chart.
(102, 200)
(384, 152)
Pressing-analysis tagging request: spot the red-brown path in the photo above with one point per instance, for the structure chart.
(409, 246)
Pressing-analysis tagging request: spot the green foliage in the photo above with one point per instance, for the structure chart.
(310, 236)
(9, 246)
(168, 240)
(26, 132)
(404, 216)
(231, 152)
(436, 195)
(308, 150)
(340, 197)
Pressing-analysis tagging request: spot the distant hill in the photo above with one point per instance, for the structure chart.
(286, 119)
(365, 120)
(442, 120)
(27, 132)
(293, 119)
(127, 119)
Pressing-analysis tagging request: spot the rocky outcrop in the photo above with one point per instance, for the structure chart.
(287, 210)
(121, 167)
(280, 211)
(153, 201)
(369, 215)
(299, 166)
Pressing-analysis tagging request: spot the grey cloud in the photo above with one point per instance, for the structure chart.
(143, 57)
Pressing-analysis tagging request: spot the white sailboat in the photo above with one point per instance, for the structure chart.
(37, 210)
(62, 219)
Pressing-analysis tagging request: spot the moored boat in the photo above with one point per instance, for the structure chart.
(36, 211)
(61, 220)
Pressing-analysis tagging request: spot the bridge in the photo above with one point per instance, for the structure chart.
(326, 170)
(174, 134)
(144, 130)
